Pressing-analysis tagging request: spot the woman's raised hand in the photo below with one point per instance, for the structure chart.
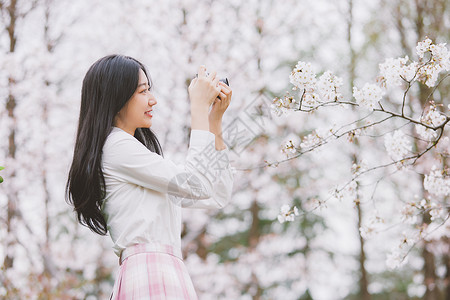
(204, 89)
(220, 104)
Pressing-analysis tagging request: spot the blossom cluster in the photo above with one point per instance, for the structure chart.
(287, 214)
(372, 227)
(439, 61)
(330, 87)
(432, 118)
(412, 210)
(289, 147)
(437, 182)
(397, 145)
(310, 141)
(284, 105)
(347, 192)
(394, 72)
(303, 77)
(396, 258)
(368, 96)
(399, 254)
(312, 91)
(327, 88)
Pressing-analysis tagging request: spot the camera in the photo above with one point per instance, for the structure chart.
(224, 80)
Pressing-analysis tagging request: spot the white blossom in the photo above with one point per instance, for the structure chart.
(423, 47)
(423, 203)
(372, 227)
(284, 105)
(436, 212)
(311, 99)
(428, 74)
(311, 140)
(425, 133)
(330, 87)
(432, 118)
(303, 76)
(396, 259)
(349, 191)
(289, 147)
(287, 214)
(398, 256)
(366, 231)
(397, 145)
(439, 61)
(441, 56)
(436, 183)
(368, 96)
(409, 213)
(395, 71)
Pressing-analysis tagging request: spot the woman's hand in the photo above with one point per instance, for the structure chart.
(203, 89)
(202, 92)
(220, 104)
(218, 108)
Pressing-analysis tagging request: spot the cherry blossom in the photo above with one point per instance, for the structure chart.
(287, 214)
(437, 182)
(303, 77)
(330, 87)
(397, 144)
(368, 96)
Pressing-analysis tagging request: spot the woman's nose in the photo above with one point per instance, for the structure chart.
(152, 101)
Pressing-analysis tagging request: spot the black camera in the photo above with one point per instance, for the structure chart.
(224, 80)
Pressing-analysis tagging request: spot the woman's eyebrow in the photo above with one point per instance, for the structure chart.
(145, 83)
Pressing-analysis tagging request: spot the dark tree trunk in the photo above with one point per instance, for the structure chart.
(11, 103)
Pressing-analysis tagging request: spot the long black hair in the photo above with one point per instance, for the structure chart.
(109, 83)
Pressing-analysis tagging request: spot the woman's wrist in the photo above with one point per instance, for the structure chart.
(199, 117)
(215, 126)
(199, 108)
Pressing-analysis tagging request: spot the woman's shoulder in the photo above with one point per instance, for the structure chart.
(117, 134)
(122, 149)
(119, 140)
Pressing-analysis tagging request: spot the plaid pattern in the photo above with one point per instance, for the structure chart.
(153, 271)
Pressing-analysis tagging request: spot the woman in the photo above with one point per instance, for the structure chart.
(120, 183)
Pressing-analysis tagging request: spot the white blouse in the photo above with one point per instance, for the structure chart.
(145, 192)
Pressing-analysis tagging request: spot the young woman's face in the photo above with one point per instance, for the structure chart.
(137, 112)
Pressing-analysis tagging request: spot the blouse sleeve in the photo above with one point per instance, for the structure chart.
(204, 181)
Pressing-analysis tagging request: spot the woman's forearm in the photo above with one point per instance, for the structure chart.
(199, 118)
(216, 128)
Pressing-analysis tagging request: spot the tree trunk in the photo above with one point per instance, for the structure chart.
(446, 259)
(254, 234)
(363, 279)
(429, 269)
(11, 103)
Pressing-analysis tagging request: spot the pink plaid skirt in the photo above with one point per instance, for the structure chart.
(153, 271)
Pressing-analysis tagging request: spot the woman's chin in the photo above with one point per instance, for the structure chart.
(147, 124)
